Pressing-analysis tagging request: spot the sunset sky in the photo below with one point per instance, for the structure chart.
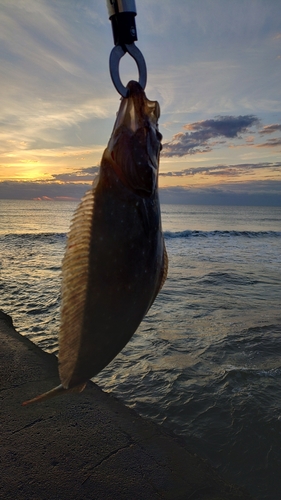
(213, 65)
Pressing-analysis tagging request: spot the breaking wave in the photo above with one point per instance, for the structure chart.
(223, 234)
(49, 237)
(33, 237)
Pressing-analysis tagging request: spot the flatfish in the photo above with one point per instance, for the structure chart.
(115, 261)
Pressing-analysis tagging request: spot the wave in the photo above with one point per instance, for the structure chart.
(32, 237)
(223, 278)
(221, 234)
(167, 234)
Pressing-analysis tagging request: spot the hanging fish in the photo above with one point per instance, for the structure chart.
(115, 261)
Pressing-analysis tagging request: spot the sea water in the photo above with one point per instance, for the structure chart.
(206, 360)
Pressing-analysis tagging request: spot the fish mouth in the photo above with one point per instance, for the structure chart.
(135, 143)
(136, 110)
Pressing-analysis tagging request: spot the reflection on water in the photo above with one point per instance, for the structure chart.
(29, 217)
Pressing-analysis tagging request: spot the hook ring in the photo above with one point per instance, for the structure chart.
(116, 54)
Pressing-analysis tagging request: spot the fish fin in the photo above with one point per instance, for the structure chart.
(163, 275)
(57, 391)
(75, 275)
(165, 268)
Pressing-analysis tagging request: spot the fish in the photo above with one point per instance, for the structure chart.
(115, 261)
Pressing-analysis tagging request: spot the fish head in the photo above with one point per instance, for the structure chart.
(134, 147)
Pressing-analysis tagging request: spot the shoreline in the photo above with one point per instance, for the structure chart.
(88, 445)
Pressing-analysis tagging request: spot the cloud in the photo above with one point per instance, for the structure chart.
(65, 186)
(223, 170)
(84, 174)
(228, 126)
(254, 193)
(16, 190)
(200, 134)
(270, 129)
(270, 144)
(68, 185)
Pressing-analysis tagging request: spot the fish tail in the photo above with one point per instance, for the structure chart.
(56, 391)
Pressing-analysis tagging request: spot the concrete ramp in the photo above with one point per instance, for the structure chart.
(88, 445)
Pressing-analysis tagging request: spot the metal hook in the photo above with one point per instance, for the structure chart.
(116, 54)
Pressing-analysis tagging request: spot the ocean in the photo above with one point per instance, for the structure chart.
(206, 360)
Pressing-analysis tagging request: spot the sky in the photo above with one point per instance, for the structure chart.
(214, 66)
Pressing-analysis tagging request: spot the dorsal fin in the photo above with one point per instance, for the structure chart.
(165, 268)
(75, 272)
